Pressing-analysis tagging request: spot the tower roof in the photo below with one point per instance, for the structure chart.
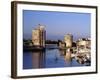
(41, 27)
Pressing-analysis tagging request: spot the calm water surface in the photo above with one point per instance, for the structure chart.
(51, 58)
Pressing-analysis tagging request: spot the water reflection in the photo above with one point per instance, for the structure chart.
(49, 59)
(34, 60)
(38, 59)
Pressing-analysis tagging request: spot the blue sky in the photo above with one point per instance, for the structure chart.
(57, 24)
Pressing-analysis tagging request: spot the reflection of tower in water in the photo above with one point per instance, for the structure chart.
(62, 52)
(38, 59)
(68, 55)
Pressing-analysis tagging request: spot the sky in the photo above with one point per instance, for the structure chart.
(57, 24)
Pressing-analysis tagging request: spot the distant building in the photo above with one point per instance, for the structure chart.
(68, 39)
(84, 43)
(39, 36)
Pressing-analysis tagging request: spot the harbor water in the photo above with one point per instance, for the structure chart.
(50, 58)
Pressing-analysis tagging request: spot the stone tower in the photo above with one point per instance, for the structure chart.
(39, 36)
(68, 39)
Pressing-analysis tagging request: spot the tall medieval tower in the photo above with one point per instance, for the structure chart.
(39, 36)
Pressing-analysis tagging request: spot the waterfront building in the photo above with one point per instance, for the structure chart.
(84, 45)
(39, 36)
(68, 39)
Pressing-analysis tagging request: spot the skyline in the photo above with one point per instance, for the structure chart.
(57, 24)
